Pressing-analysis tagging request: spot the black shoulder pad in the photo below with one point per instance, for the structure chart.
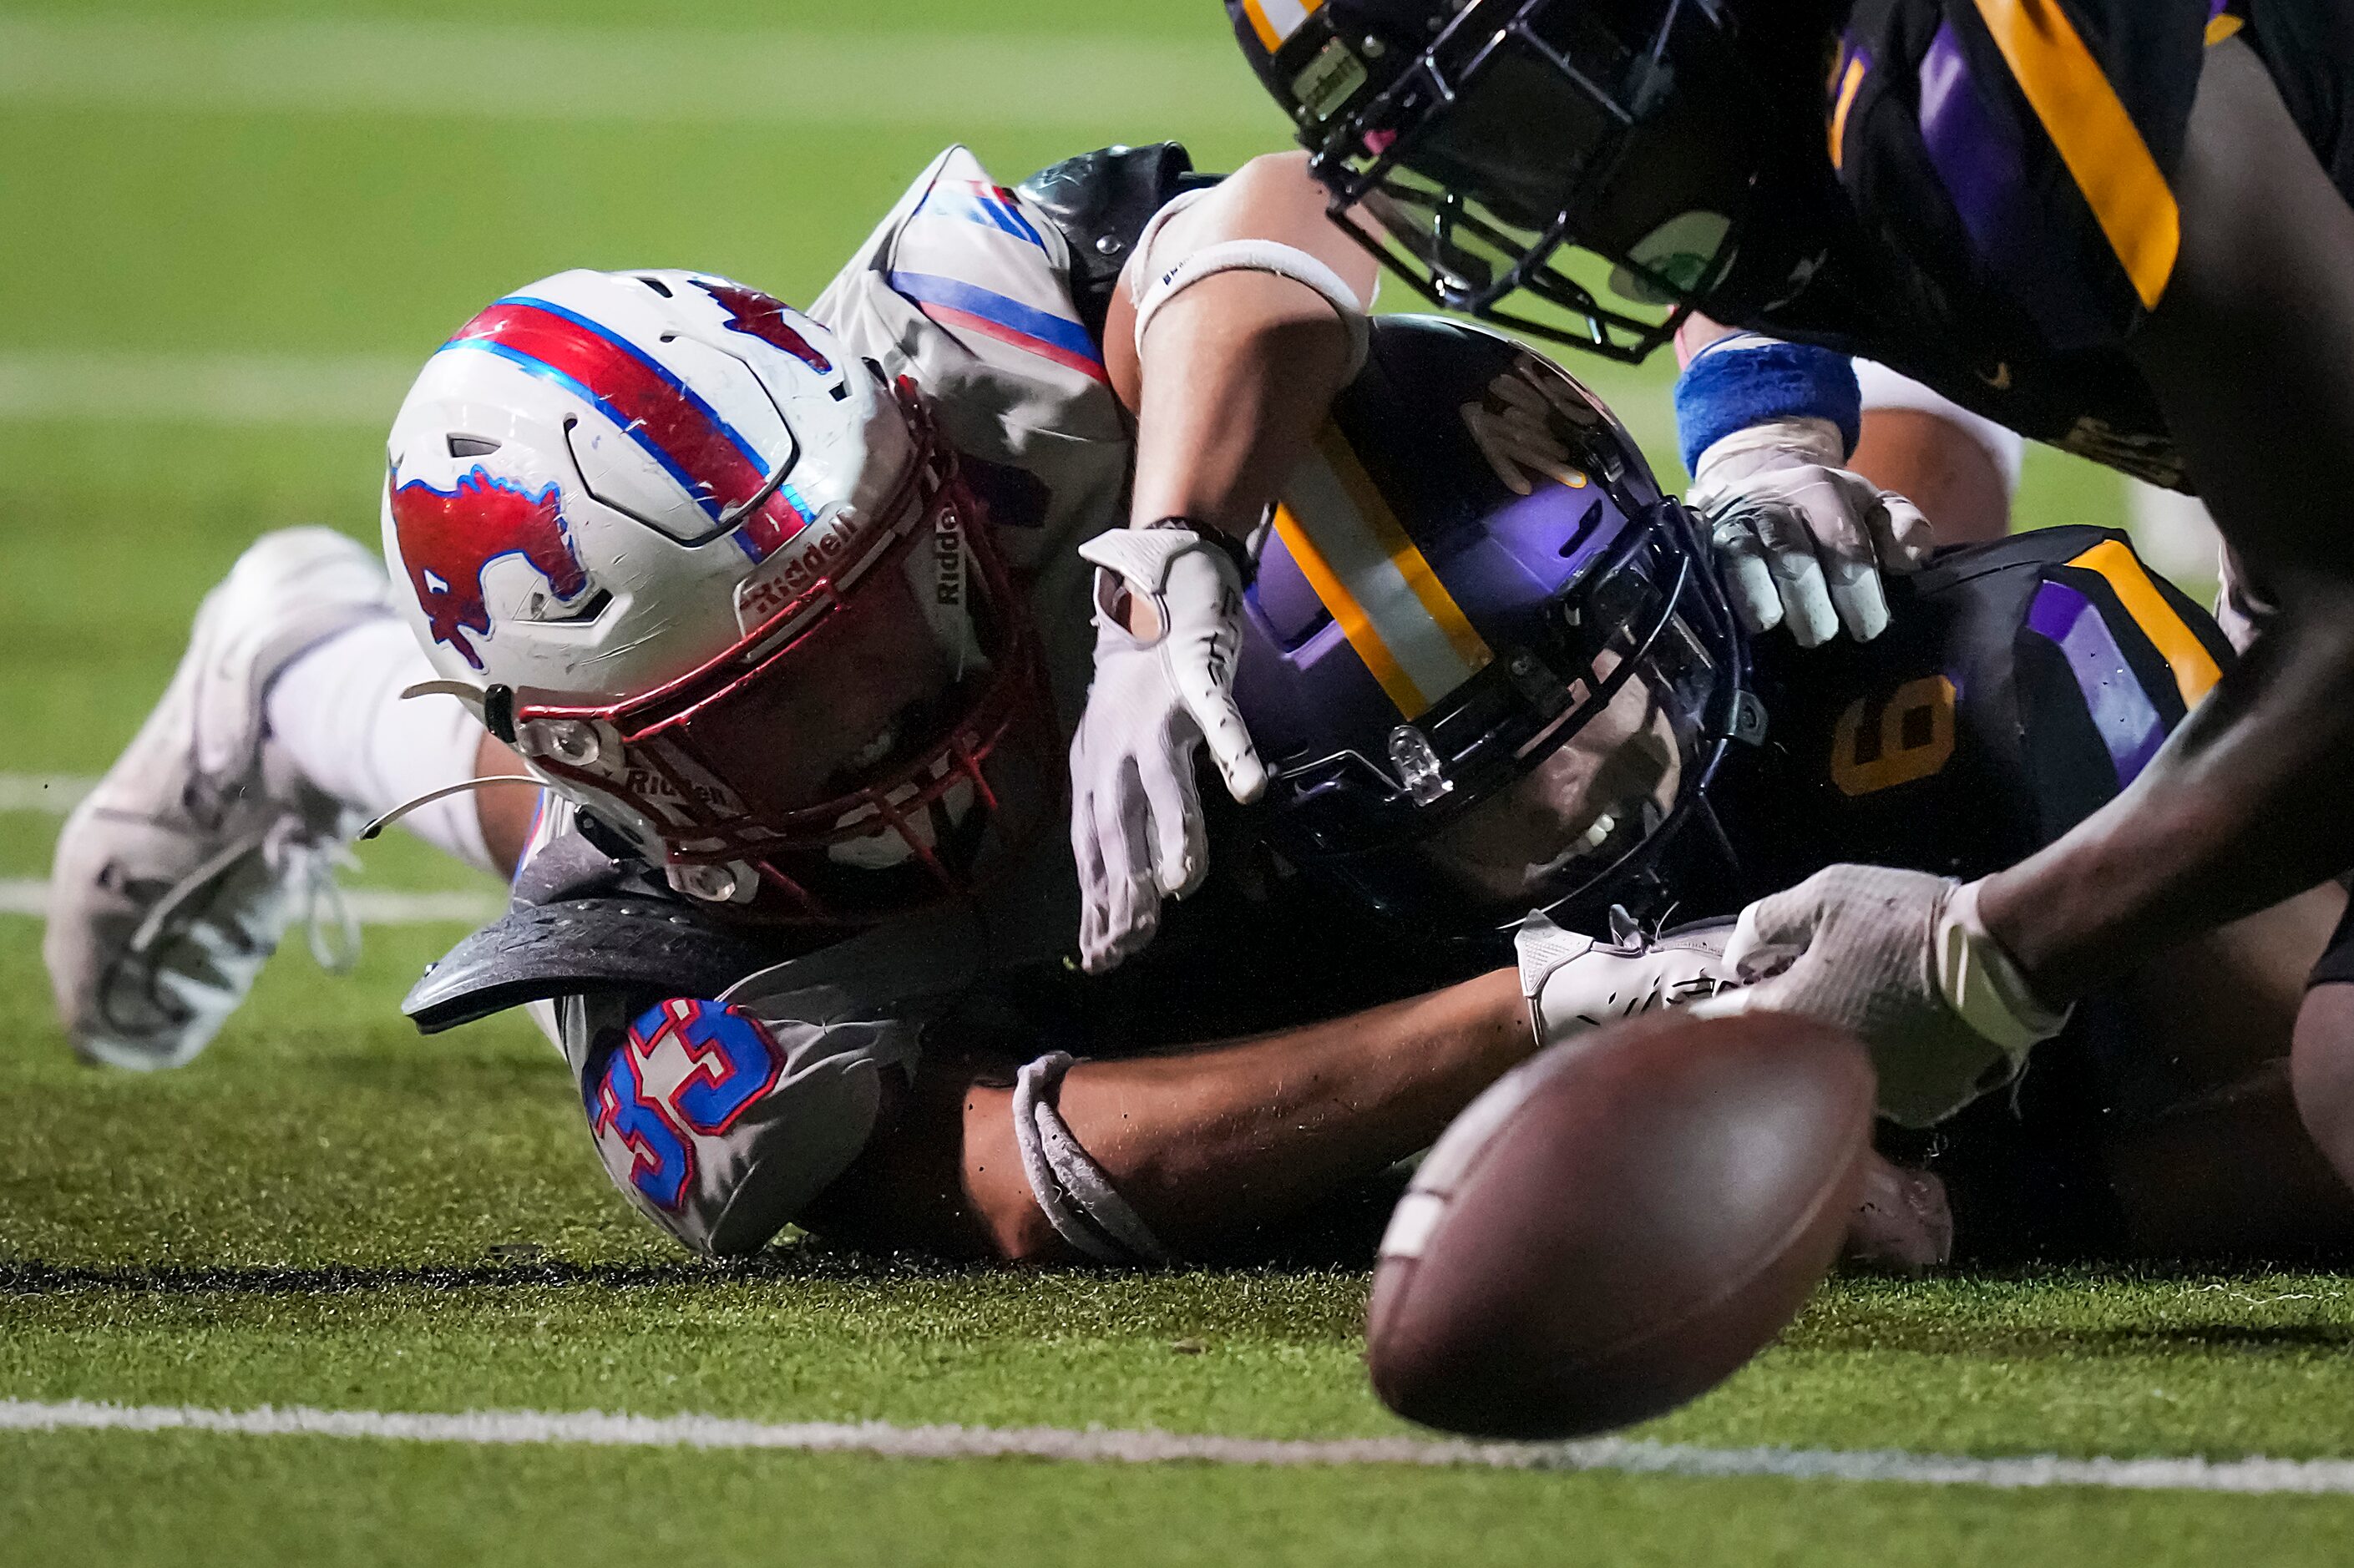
(1101, 201)
(583, 945)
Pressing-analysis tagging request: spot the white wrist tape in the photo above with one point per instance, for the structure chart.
(1792, 439)
(1982, 984)
(1077, 1199)
(1258, 256)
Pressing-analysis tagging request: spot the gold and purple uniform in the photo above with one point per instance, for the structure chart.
(2012, 165)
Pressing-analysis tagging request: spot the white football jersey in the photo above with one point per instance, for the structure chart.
(966, 288)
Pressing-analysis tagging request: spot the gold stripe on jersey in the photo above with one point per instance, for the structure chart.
(2195, 671)
(1848, 84)
(2096, 138)
(2224, 27)
(1374, 582)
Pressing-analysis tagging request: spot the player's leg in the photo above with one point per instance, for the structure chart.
(337, 717)
(2322, 1066)
(502, 815)
(1199, 1147)
(2230, 1165)
(281, 732)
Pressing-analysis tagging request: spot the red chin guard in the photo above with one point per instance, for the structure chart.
(712, 776)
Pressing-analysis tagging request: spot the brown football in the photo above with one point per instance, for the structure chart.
(1620, 1223)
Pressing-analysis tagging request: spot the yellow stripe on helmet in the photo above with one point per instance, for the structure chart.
(2195, 671)
(1410, 563)
(1343, 605)
(1276, 20)
(2096, 138)
(1375, 582)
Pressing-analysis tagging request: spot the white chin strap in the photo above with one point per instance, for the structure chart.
(1257, 256)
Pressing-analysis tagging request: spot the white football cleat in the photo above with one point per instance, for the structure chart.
(174, 881)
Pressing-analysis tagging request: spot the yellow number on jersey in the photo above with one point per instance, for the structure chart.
(1914, 740)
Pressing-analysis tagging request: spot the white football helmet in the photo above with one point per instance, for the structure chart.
(720, 586)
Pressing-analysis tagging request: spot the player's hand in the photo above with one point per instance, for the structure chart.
(1798, 538)
(1901, 960)
(1158, 694)
(1574, 983)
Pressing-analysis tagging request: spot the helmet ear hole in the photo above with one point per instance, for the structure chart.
(554, 612)
(472, 446)
(1577, 540)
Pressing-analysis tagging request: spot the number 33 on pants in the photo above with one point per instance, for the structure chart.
(687, 1069)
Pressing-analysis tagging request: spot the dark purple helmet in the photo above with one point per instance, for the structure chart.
(1484, 656)
(1469, 144)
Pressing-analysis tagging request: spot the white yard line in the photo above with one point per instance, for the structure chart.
(1140, 88)
(1099, 1445)
(371, 906)
(202, 389)
(52, 794)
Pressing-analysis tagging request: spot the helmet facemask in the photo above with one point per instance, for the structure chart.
(1526, 128)
(1568, 764)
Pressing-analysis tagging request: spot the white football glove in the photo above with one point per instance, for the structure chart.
(1799, 537)
(1901, 960)
(1572, 983)
(1136, 819)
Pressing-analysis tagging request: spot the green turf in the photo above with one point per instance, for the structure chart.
(329, 1209)
(338, 1502)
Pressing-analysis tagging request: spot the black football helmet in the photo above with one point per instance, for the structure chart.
(1484, 654)
(1472, 143)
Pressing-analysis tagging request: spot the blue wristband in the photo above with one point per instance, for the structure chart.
(1745, 385)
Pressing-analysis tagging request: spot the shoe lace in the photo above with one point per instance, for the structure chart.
(306, 861)
(303, 861)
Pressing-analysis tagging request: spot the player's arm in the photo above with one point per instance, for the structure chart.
(1239, 318)
(1190, 1149)
(1168, 1157)
(2252, 352)
(1960, 469)
(726, 1123)
(1234, 373)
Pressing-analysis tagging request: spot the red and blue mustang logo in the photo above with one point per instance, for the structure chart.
(755, 315)
(448, 538)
